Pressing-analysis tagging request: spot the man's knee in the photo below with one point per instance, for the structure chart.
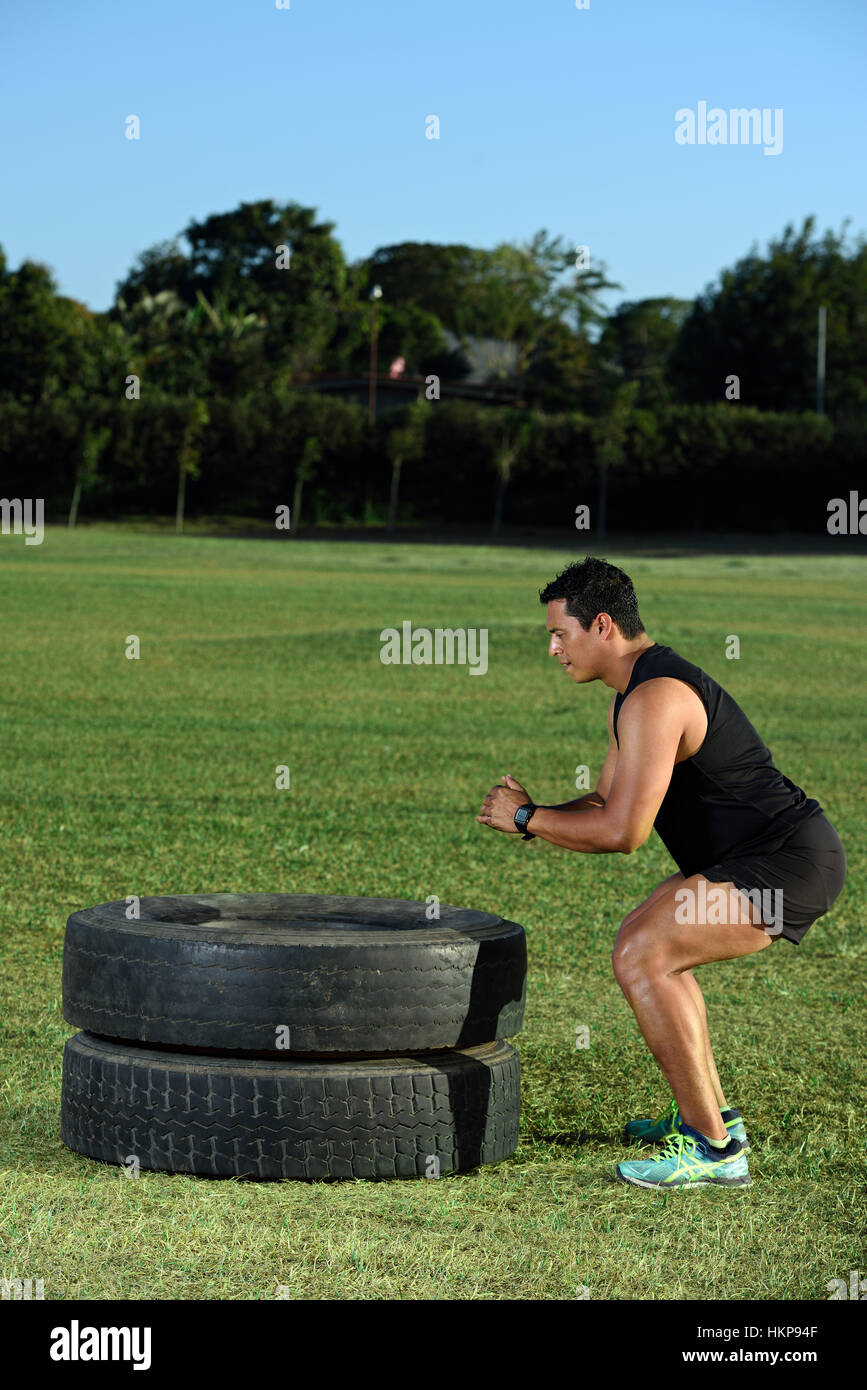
(620, 956)
(638, 956)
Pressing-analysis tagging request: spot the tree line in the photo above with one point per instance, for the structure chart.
(197, 389)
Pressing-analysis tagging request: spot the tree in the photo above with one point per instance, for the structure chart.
(561, 373)
(94, 441)
(311, 455)
(511, 432)
(195, 418)
(438, 279)
(759, 324)
(163, 267)
(234, 344)
(636, 345)
(518, 294)
(236, 261)
(164, 351)
(405, 443)
(610, 439)
(206, 348)
(48, 343)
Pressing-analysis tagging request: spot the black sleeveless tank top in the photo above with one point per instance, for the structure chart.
(728, 799)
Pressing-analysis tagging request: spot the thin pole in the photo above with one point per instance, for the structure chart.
(372, 394)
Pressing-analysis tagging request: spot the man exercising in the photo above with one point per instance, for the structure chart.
(756, 857)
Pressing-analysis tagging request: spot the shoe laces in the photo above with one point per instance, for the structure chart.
(675, 1145)
(672, 1111)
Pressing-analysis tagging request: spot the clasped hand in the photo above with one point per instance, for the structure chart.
(499, 806)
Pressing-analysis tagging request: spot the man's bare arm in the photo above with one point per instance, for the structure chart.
(588, 799)
(651, 724)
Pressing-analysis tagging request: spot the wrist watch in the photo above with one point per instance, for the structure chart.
(522, 815)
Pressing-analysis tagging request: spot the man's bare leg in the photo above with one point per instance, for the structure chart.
(692, 985)
(651, 954)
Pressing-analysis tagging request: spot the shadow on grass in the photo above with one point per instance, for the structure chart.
(572, 1138)
(656, 545)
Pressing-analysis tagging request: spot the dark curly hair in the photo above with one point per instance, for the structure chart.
(594, 586)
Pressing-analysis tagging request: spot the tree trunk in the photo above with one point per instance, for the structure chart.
(73, 506)
(392, 501)
(295, 514)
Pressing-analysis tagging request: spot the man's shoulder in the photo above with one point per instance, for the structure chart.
(659, 692)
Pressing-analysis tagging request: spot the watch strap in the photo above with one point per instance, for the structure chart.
(522, 816)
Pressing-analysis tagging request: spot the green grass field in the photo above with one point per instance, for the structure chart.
(157, 776)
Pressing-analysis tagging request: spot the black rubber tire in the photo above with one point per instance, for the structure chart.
(226, 971)
(382, 1117)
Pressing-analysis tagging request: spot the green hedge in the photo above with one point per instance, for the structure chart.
(712, 467)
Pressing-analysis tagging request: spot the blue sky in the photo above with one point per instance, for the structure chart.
(550, 117)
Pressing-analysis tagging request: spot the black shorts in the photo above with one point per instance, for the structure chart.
(807, 866)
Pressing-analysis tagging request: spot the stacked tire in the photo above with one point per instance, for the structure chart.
(292, 1036)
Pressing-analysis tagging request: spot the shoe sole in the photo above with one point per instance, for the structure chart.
(691, 1182)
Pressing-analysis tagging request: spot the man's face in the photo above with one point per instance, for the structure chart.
(575, 649)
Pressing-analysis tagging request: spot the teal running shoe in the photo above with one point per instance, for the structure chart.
(687, 1160)
(657, 1131)
(648, 1131)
